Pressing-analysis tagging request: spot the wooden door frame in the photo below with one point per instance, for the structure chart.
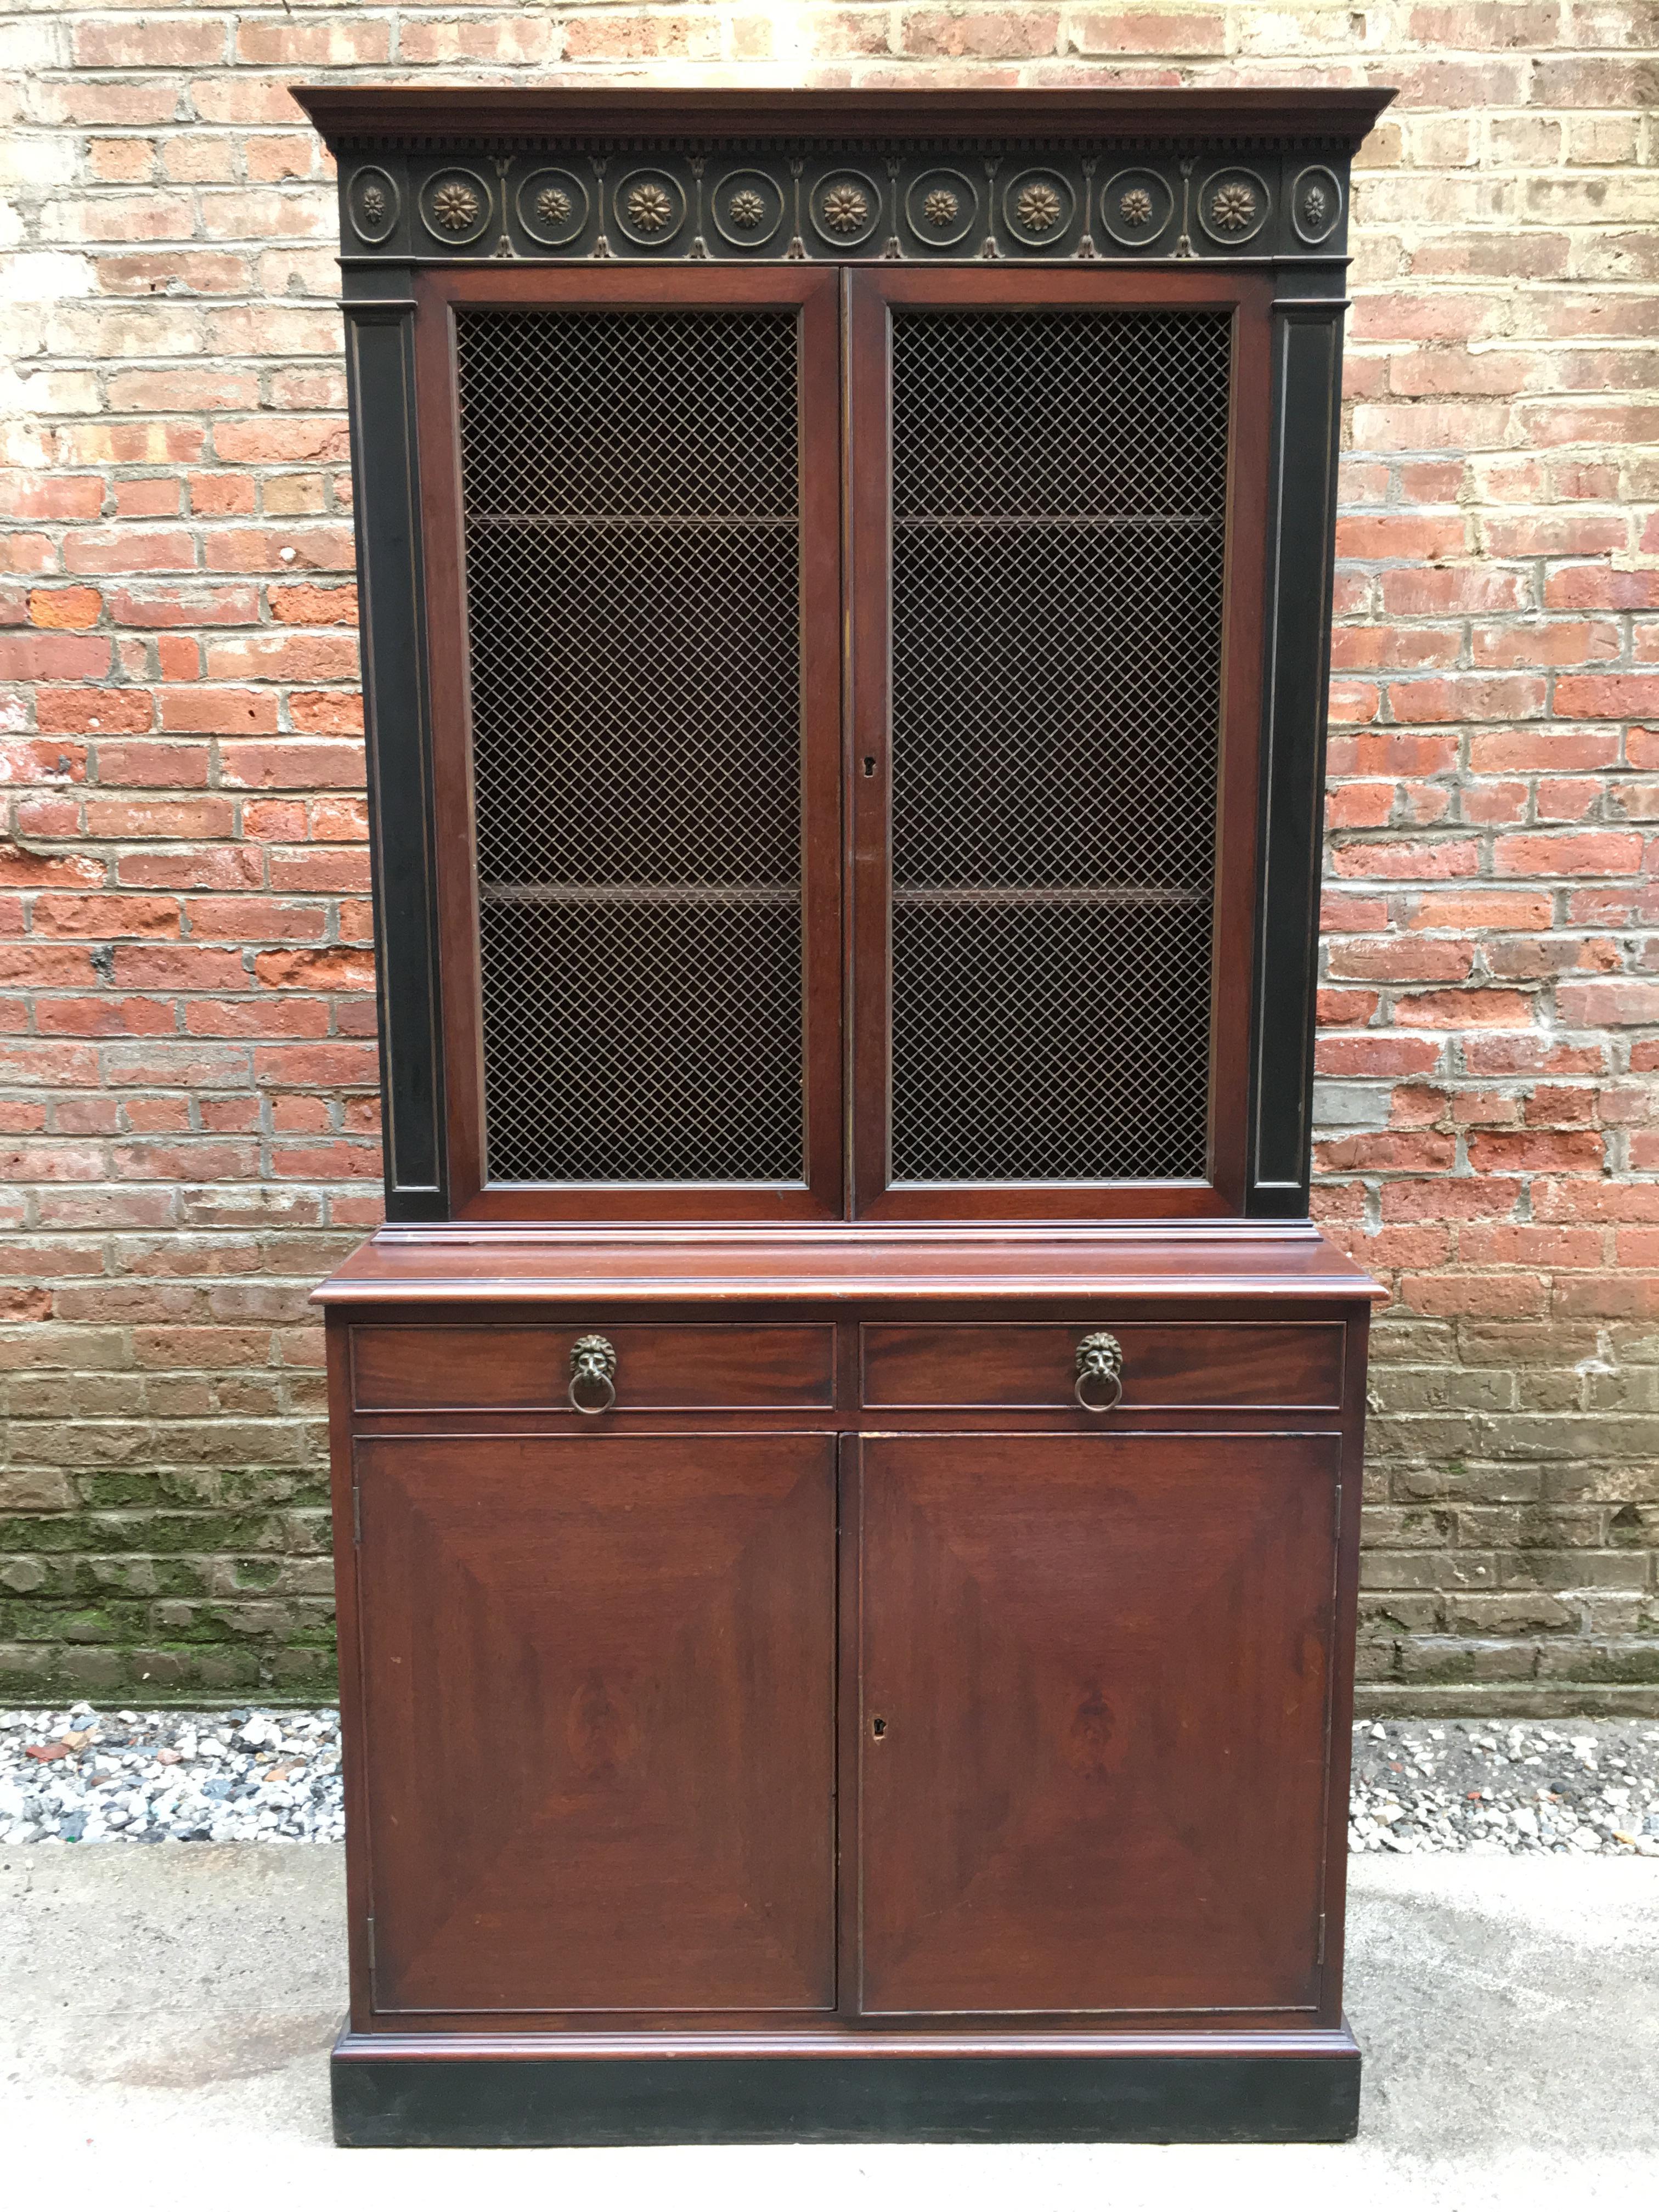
(813, 291)
(870, 294)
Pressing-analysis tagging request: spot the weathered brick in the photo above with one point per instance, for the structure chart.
(186, 780)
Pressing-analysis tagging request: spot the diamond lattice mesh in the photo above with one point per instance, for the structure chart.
(1059, 501)
(629, 489)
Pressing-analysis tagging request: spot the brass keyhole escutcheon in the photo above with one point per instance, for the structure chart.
(878, 1728)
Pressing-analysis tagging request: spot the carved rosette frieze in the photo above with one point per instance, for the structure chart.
(970, 203)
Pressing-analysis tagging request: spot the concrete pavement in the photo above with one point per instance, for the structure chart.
(166, 2011)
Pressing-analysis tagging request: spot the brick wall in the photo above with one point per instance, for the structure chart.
(187, 1105)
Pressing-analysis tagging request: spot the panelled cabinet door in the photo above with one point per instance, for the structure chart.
(1096, 1685)
(599, 1681)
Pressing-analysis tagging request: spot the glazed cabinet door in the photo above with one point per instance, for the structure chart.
(599, 1684)
(1096, 1678)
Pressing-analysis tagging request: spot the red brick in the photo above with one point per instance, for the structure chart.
(106, 915)
(27, 656)
(205, 1160)
(26, 497)
(127, 818)
(311, 1161)
(1517, 1152)
(1523, 1244)
(78, 607)
(253, 921)
(148, 496)
(1623, 1297)
(1404, 959)
(1394, 753)
(1443, 858)
(217, 710)
(223, 492)
(1568, 853)
(316, 1066)
(257, 1018)
(1482, 1008)
(1514, 1052)
(198, 867)
(1615, 1003)
(1359, 806)
(1389, 1149)
(183, 606)
(1467, 698)
(1510, 752)
(1339, 1009)
(1616, 697)
(96, 1016)
(338, 969)
(1567, 799)
(284, 656)
(127, 551)
(265, 438)
(1580, 1199)
(310, 604)
(158, 765)
(140, 43)
(1544, 645)
(73, 710)
(1378, 1053)
(1602, 586)
(1452, 591)
(1490, 1297)
(318, 872)
(184, 392)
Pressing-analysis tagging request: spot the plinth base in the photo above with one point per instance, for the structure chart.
(391, 2090)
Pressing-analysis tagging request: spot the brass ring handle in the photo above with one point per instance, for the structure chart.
(593, 1375)
(1099, 1373)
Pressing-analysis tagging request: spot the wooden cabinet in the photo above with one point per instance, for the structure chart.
(1080, 1657)
(847, 1449)
(600, 1679)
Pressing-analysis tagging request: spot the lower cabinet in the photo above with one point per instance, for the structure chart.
(598, 1685)
(1095, 1679)
(1093, 1685)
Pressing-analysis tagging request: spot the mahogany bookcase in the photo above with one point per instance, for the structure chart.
(846, 1451)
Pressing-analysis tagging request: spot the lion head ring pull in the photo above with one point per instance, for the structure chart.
(593, 1375)
(1099, 1372)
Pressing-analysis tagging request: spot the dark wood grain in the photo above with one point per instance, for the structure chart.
(1025, 1364)
(377, 114)
(599, 1684)
(993, 1265)
(628, 1859)
(814, 292)
(659, 1368)
(872, 295)
(1082, 1658)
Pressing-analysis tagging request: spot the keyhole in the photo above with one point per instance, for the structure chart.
(869, 763)
(878, 1728)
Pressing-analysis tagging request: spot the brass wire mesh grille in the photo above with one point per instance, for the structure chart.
(631, 501)
(1059, 536)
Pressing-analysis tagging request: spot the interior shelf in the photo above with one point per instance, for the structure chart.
(639, 894)
(1059, 521)
(1047, 895)
(632, 522)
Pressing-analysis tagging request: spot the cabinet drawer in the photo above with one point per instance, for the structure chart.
(1032, 1364)
(666, 1368)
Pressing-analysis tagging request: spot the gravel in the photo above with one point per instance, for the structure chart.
(246, 1776)
(1509, 1786)
(250, 1774)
